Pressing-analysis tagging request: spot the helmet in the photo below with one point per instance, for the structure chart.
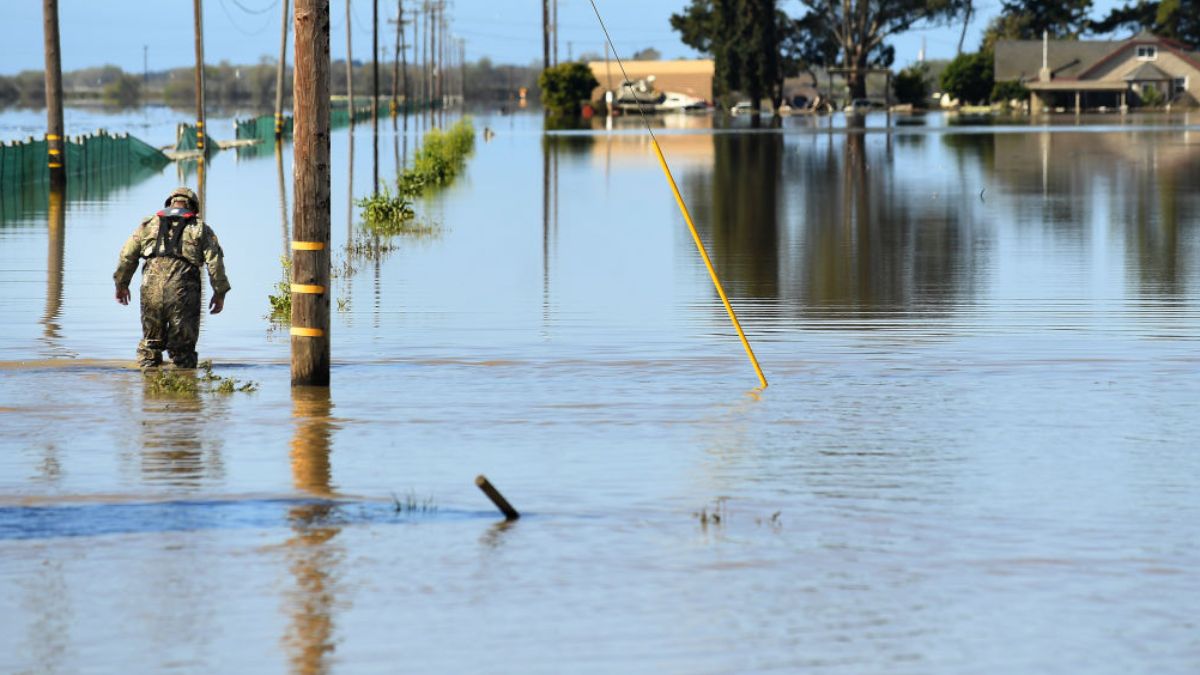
(193, 200)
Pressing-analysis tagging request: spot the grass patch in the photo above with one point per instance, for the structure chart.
(436, 163)
(715, 515)
(386, 213)
(281, 299)
(187, 382)
(410, 504)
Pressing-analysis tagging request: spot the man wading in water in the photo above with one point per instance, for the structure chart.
(175, 245)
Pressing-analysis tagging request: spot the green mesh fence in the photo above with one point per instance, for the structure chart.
(97, 164)
(186, 140)
(25, 161)
(262, 128)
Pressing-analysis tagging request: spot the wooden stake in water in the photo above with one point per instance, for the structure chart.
(498, 499)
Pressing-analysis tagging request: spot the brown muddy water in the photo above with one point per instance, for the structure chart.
(977, 454)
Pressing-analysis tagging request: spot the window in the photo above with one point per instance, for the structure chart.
(1147, 52)
(1181, 85)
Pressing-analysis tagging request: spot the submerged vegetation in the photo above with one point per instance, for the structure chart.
(180, 382)
(281, 300)
(410, 504)
(438, 161)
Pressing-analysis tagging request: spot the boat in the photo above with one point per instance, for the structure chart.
(641, 95)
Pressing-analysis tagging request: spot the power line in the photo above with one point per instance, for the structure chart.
(255, 11)
(238, 27)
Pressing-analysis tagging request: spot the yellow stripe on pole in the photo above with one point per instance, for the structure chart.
(308, 288)
(308, 245)
(307, 332)
(52, 137)
(55, 152)
(662, 161)
(55, 165)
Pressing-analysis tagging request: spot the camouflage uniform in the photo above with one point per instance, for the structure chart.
(175, 245)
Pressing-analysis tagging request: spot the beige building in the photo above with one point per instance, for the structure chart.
(1089, 74)
(694, 78)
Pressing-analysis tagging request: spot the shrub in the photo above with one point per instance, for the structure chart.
(912, 84)
(969, 77)
(565, 86)
(1009, 90)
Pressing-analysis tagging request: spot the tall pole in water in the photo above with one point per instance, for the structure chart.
(545, 34)
(56, 160)
(403, 53)
(396, 56)
(279, 70)
(349, 66)
(199, 14)
(375, 91)
(311, 196)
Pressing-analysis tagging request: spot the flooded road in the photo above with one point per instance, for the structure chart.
(977, 452)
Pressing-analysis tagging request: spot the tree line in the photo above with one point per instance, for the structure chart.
(252, 86)
(755, 45)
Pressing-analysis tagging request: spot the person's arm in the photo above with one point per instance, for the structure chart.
(127, 263)
(214, 260)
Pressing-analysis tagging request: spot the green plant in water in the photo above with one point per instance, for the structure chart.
(386, 213)
(185, 382)
(439, 159)
(716, 517)
(281, 300)
(410, 504)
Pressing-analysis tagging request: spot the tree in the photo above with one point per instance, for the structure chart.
(744, 37)
(861, 28)
(565, 86)
(126, 90)
(647, 54)
(912, 84)
(970, 77)
(1175, 19)
(1060, 18)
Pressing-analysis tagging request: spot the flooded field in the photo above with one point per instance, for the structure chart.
(977, 453)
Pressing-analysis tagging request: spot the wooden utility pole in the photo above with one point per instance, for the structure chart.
(403, 53)
(417, 53)
(375, 91)
(56, 159)
(199, 12)
(545, 34)
(398, 59)
(279, 70)
(427, 52)
(311, 192)
(554, 28)
(349, 66)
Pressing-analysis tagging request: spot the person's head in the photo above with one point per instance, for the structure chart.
(182, 198)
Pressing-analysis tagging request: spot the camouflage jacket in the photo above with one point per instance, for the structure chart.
(197, 245)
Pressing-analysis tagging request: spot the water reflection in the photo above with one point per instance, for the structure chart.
(826, 223)
(55, 244)
(283, 206)
(181, 440)
(312, 552)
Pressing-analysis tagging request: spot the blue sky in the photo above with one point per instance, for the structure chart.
(242, 31)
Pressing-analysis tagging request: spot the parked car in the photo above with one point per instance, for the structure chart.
(862, 105)
(741, 108)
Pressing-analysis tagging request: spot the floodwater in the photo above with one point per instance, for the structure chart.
(977, 453)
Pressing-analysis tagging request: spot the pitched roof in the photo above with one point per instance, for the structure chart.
(1147, 71)
(1022, 59)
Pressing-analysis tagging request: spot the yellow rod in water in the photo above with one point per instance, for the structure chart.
(662, 161)
(712, 273)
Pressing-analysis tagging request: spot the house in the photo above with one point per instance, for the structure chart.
(693, 78)
(1094, 74)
